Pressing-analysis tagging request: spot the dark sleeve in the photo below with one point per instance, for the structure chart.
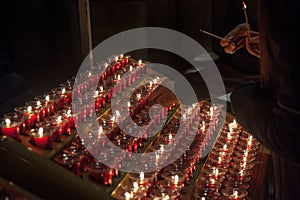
(275, 128)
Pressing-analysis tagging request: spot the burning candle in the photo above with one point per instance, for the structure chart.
(142, 176)
(234, 195)
(212, 183)
(169, 138)
(9, 128)
(31, 117)
(40, 139)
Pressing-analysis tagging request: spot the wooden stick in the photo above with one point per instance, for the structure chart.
(246, 18)
(213, 35)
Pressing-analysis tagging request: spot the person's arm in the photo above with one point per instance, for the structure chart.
(274, 127)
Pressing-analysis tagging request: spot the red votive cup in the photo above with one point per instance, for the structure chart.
(31, 116)
(41, 138)
(10, 128)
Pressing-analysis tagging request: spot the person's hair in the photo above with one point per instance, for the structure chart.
(279, 35)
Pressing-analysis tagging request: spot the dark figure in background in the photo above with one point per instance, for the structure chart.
(270, 110)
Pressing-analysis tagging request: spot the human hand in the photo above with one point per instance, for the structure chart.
(253, 44)
(239, 37)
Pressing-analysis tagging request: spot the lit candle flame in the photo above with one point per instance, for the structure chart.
(130, 68)
(69, 112)
(117, 113)
(59, 118)
(217, 172)
(228, 136)
(41, 132)
(244, 5)
(119, 77)
(7, 121)
(167, 197)
(242, 172)
(140, 62)
(100, 130)
(161, 149)
(219, 160)
(212, 181)
(170, 136)
(127, 195)
(142, 176)
(176, 179)
(128, 104)
(116, 59)
(225, 146)
(150, 84)
(135, 186)
(38, 103)
(138, 96)
(235, 194)
(29, 109)
(121, 56)
(47, 98)
(101, 89)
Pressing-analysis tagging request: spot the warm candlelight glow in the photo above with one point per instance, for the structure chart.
(29, 109)
(118, 114)
(229, 136)
(140, 62)
(212, 181)
(69, 112)
(217, 172)
(119, 77)
(176, 179)
(167, 197)
(135, 186)
(128, 104)
(127, 195)
(219, 160)
(7, 122)
(235, 194)
(116, 59)
(130, 68)
(170, 137)
(138, 96)
(40, 132)
(244, 5)
(121, 56)
(150, 84)
(63, 90)
(142, 176)
(38, 103)
(225, 147)
(59, 119)
(101, 89)
(47, 98)
(242, 172)
(100, 130)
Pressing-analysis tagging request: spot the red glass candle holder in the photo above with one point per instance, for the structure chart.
(31, 116)
(41, 138)
(10, 128)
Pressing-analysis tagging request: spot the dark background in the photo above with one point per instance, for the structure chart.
(40, 43)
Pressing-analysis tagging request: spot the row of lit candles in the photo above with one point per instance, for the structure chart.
(168, 182)
(54, 104)
(228, 165)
